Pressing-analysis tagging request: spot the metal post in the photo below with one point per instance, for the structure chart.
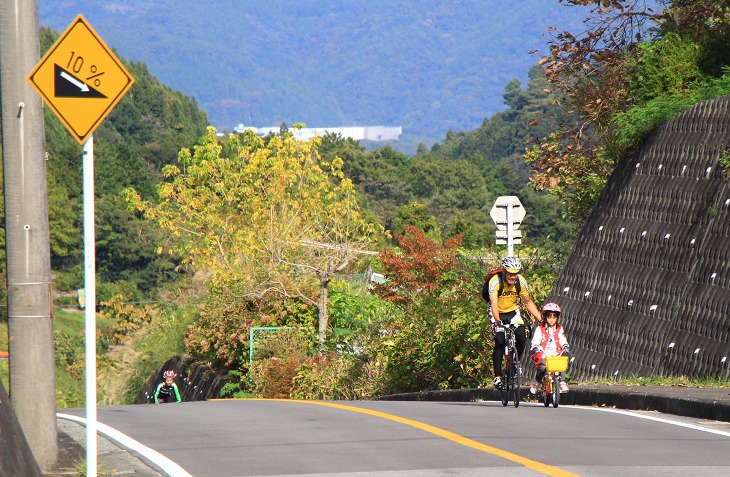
(510, 231)
(90, 309)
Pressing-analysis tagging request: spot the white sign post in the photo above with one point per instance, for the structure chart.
(81, 80)
(90, 308)
(507, 213)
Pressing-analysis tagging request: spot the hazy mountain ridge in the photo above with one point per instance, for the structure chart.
(429, 66)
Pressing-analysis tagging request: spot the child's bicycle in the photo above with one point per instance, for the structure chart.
(511, 372)
(550, 386)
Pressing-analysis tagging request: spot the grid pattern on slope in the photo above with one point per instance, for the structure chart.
(647, 288)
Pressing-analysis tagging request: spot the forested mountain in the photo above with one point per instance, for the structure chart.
(428, 66)
(446, 190)
(450, 188)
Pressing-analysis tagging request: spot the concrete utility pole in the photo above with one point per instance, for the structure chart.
(30, 326)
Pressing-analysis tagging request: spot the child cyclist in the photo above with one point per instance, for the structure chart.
(167, 390)
(548, 339)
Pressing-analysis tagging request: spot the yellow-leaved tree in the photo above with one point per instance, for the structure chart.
(269, 217)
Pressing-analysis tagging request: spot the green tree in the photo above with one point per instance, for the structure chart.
(438, 340)
(273, 218)
(629, 55)
(416, 215)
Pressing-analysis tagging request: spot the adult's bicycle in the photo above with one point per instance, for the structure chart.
(511, 371)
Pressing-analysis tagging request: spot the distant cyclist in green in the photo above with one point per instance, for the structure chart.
(167, 390)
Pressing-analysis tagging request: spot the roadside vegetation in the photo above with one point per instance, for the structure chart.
(358, 272)
(680, 381)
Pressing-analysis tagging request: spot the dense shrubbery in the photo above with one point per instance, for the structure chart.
(426, 329)
(220, 335)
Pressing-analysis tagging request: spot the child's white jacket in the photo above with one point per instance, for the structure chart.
(550, 341)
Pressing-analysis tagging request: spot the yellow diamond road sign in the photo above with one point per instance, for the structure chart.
(80, 79)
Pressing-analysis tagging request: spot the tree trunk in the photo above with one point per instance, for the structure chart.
(30, 326)
(323, 314)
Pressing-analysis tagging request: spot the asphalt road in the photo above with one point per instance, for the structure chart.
(236, 438)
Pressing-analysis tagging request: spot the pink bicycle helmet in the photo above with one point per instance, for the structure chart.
(551, 307)
(169, 374)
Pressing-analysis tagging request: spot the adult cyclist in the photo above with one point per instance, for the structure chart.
(505, 295)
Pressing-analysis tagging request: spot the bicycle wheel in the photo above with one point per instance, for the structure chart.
(546, 393)
(515, 378)
(556, 391)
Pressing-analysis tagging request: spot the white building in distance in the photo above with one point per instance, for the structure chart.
(358, 133)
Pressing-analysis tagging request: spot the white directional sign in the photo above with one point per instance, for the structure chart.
(502, 234)
(507, 213)
(500, 209)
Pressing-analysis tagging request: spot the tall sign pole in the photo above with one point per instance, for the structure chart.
(510, 230)
(90, 308)
(81, 81)
(29, 298)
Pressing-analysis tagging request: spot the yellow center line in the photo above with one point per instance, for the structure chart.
(529, 463)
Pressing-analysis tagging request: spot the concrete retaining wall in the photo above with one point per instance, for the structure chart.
(195, 381)
(16, 458)
(646, 290)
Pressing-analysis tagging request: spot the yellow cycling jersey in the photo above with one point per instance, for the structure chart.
(507, 301)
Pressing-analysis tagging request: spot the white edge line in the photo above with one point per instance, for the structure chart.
(166, 465)
(652, 418)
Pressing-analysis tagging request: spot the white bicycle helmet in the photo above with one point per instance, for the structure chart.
(512, 264)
